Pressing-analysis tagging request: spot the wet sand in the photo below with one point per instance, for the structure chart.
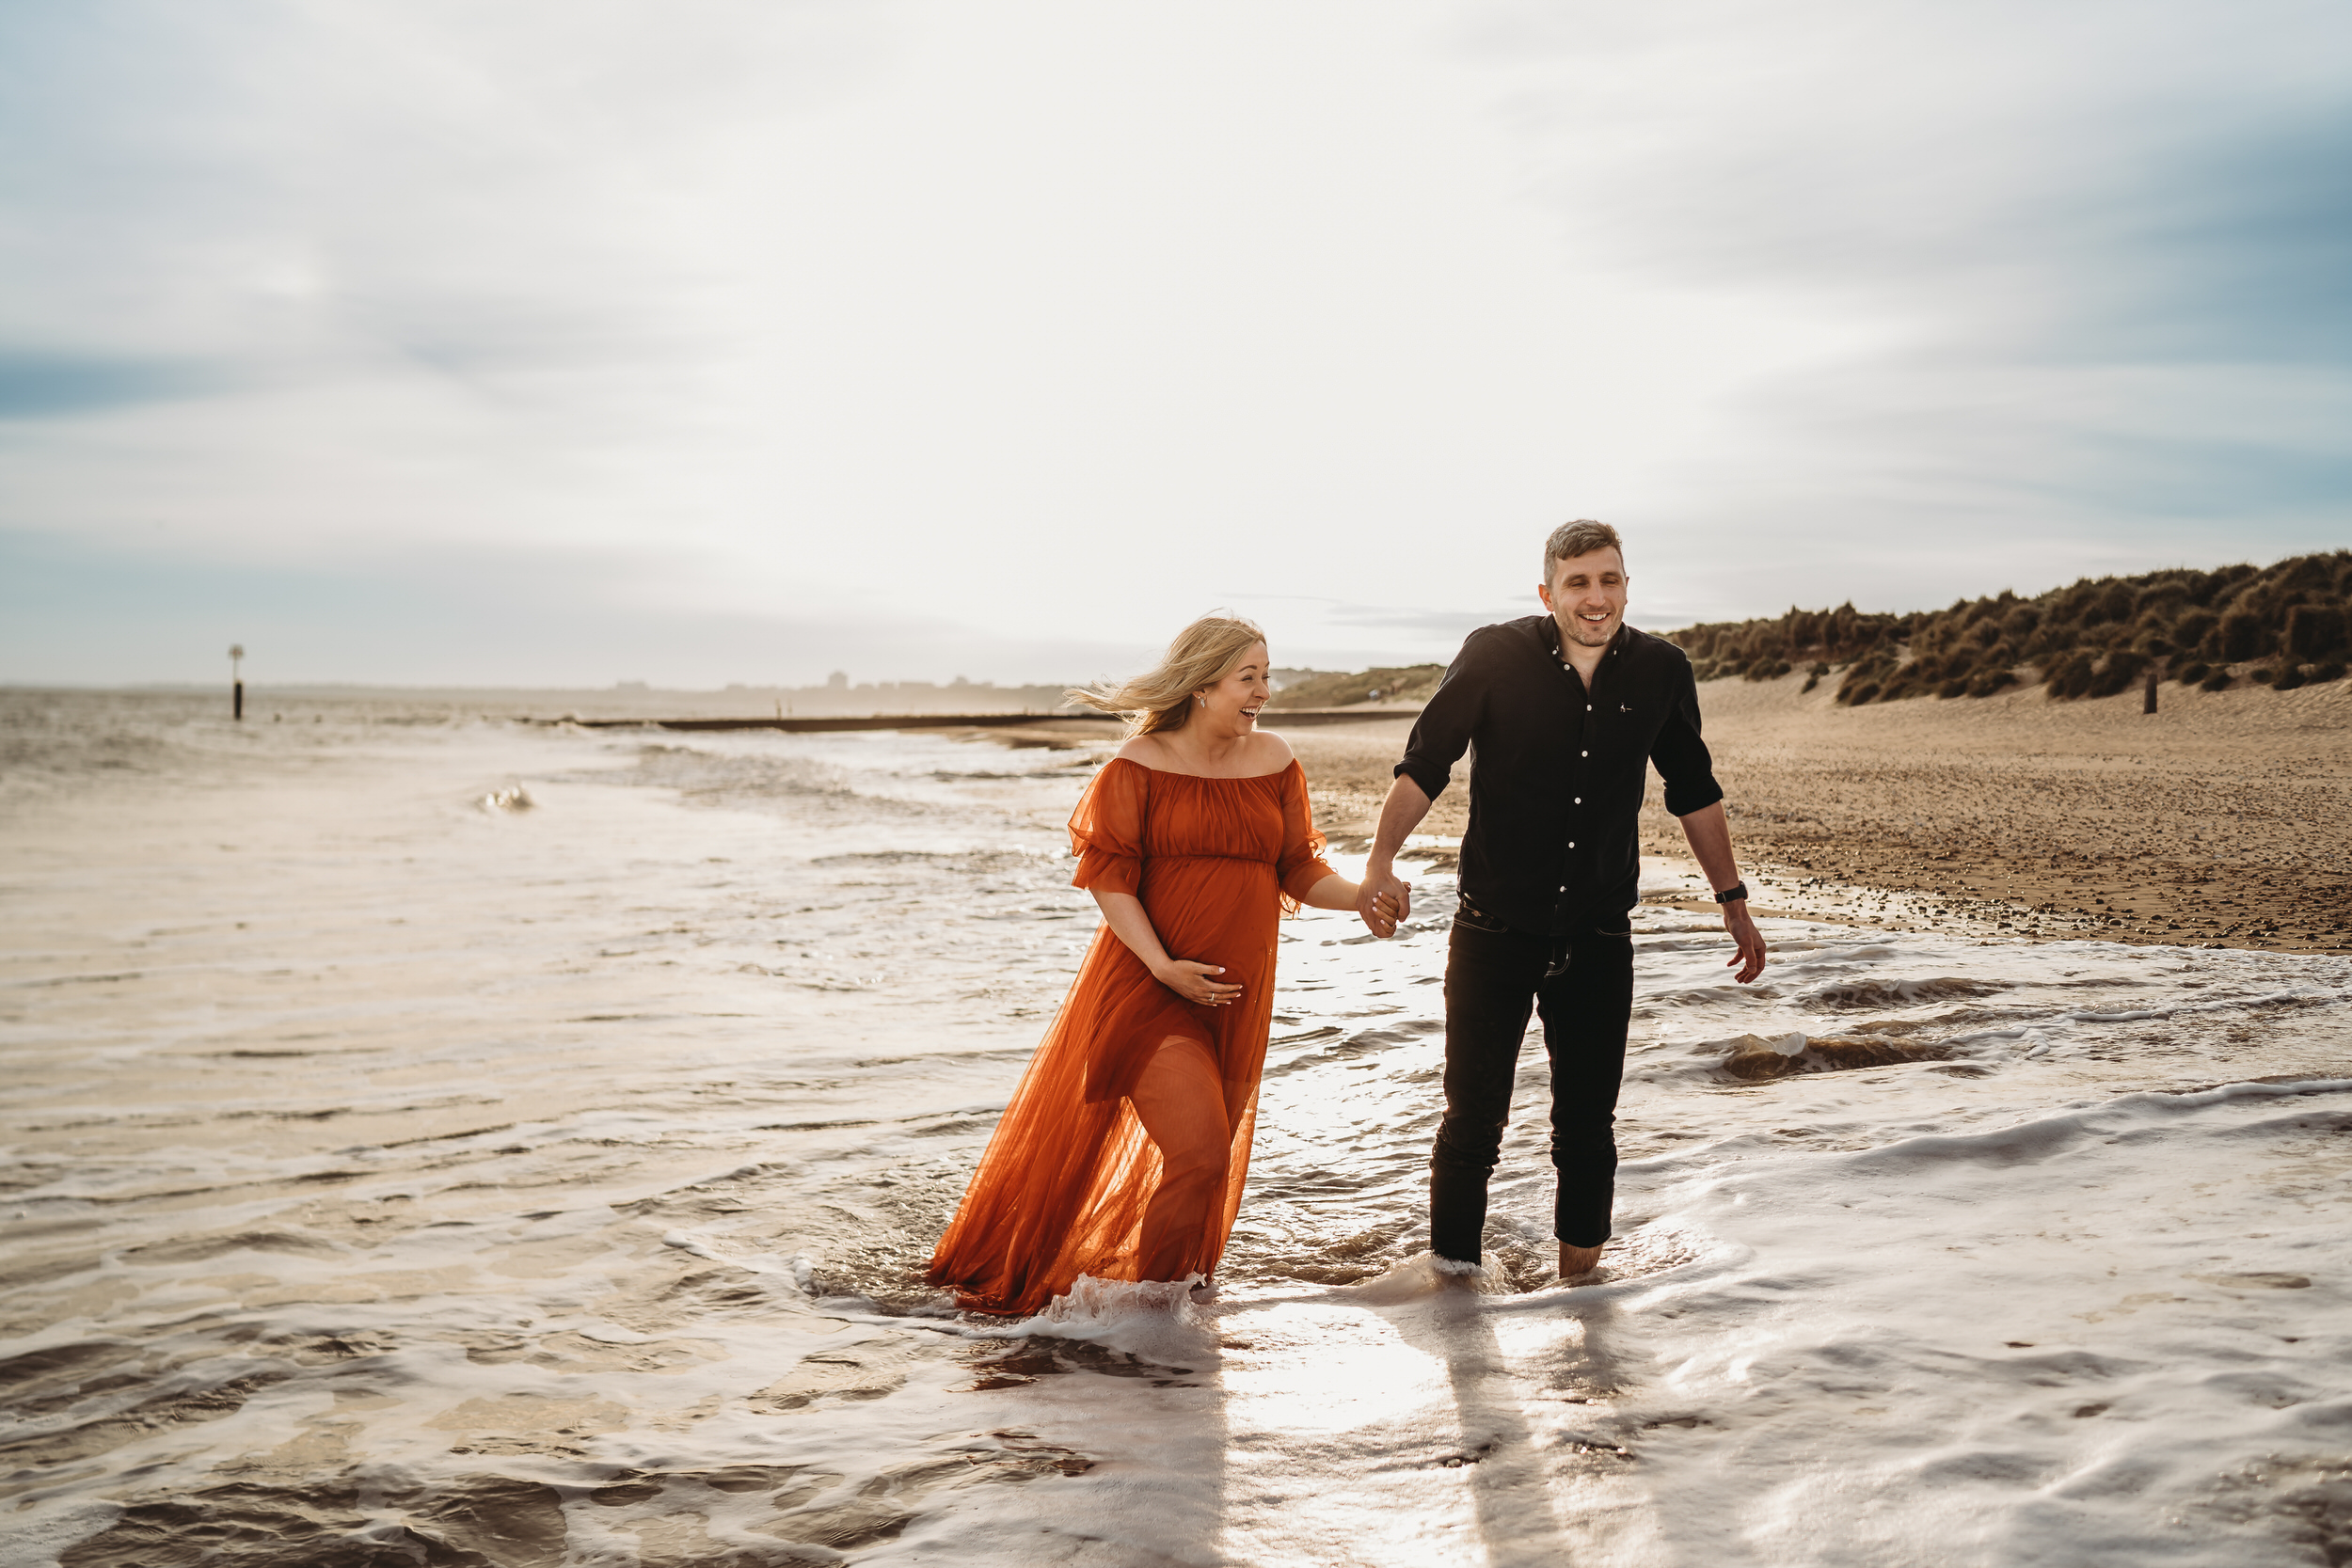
(2218, 820)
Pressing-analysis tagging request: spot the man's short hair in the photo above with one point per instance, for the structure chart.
(1581, 537)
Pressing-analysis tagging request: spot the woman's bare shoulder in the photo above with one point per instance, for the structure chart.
(1148, 749)
(1270, 751)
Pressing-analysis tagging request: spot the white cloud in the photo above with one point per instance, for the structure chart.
(1054, 324)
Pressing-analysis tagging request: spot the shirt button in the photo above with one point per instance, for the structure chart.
(1584, 754)
(1571, 845)
(1588, 707)
(1579, 799)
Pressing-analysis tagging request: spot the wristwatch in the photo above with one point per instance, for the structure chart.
(1735, 891)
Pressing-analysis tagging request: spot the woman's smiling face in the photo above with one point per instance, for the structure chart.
(1230, 706)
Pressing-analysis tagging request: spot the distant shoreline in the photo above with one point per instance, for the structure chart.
(2215, 820)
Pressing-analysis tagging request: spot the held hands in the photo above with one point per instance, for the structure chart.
(1191, 981)
(1383, 901)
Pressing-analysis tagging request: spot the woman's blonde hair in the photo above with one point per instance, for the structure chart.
(1203, 653)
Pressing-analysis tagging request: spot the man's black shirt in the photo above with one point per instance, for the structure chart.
(1557, 771)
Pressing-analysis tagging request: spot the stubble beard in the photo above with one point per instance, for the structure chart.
(1588, 636)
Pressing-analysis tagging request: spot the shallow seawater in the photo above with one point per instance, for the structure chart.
(436, 1140)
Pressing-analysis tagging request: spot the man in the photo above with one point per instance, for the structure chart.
(1564, 712)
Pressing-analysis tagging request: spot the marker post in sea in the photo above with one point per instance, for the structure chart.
(236, 682)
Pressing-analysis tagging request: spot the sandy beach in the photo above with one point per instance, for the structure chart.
(2222, 817)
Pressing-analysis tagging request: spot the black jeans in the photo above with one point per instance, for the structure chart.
(1492, 976)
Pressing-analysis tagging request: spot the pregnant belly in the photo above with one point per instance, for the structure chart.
(1212, 911)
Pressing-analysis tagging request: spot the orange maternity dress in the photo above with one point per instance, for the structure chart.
(1066, 1181)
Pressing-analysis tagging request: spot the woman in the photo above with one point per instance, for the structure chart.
(1122, 1151)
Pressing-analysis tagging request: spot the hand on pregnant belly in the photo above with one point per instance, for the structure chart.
(1195, 982)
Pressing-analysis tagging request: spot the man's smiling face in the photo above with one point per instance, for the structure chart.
(1586, 596)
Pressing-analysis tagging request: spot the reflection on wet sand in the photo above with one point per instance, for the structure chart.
(1509, 1483)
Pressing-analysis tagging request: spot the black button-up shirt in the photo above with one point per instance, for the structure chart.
(1557, 771)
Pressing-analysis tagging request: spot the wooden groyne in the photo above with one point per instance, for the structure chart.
(866, 721)
(1274, 718)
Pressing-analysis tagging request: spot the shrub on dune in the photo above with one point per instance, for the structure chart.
(2120, 669)
(2091, 637)
(2110, 603)
(2242, 634)
(1866, 672)
(2314, 631)
(1918, 675)
(2071, 676)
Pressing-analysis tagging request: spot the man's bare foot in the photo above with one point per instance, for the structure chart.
(1574, 1261)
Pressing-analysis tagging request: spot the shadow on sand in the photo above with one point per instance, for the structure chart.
(1515, 1472)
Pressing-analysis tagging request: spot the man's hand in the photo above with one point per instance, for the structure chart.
(1751, 954)
(1383, 901)
(1709, 832)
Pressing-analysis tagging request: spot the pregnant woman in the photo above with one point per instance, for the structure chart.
(1121, 1153)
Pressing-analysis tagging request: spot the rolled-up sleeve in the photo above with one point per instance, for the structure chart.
(1106, 829)
(1443, 731)
(1681, 757)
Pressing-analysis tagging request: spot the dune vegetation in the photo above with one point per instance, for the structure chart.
(1409, 683)
(2284, 626)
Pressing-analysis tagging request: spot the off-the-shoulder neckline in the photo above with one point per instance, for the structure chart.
(1212, 778)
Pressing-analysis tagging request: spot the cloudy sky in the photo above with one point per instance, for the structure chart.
(562, 341)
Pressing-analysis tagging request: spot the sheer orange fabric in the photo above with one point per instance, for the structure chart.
(1122, 1151)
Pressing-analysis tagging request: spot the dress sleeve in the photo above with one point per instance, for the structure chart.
(1302, 864)
(1106, 829)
